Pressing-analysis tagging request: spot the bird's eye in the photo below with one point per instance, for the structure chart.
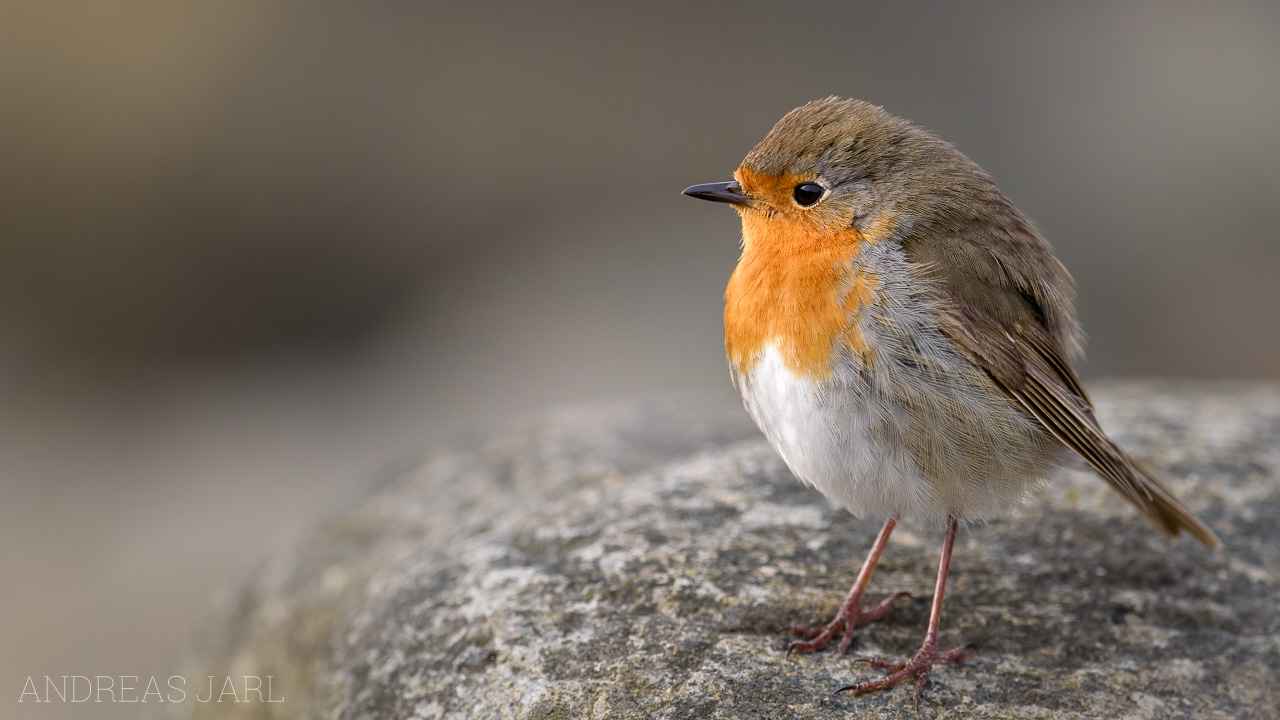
(808, 193)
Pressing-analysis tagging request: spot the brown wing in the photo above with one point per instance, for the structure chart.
(1014, 317)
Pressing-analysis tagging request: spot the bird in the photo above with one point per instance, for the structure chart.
(904, 337)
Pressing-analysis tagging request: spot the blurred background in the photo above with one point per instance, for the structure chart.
(252, 254)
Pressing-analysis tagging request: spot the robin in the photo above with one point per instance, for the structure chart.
(903, 337)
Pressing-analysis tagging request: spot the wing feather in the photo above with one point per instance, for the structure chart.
(1009, 316)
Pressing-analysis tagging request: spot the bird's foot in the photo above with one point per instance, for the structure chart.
(920, 667)
(851, 616)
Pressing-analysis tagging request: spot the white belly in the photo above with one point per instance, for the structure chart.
(905, 440)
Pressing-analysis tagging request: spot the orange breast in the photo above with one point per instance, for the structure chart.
(794, 286)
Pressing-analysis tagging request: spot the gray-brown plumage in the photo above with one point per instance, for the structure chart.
(1000, 292)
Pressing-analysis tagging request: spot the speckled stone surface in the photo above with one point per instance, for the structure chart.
(637, 561)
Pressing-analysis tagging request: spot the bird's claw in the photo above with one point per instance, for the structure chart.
(919, 666)
(844, 622)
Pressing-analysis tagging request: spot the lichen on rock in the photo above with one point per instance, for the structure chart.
(639, 560)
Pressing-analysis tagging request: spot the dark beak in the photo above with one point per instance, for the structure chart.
(730, 192)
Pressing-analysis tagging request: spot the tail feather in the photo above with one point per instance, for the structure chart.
(1157, 503)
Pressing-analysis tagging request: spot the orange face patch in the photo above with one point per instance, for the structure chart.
(794, 285)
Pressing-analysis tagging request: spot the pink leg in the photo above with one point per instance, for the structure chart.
(921, 665)
(851, 614)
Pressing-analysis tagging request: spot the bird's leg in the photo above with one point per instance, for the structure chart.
(921, 665)
(851, 614)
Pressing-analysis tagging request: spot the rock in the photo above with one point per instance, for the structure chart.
(638, 561)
